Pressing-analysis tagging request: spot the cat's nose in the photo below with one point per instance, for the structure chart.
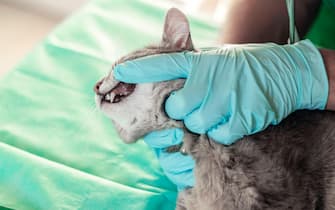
(97, 87)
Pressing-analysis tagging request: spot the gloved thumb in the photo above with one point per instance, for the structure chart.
(154, 68)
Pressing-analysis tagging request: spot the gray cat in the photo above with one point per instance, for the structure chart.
(287, 166)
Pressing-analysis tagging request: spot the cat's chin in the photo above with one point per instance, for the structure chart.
(125, 135)
(128, 139)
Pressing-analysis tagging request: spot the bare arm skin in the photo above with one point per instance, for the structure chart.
(259, 21)
(329, 61)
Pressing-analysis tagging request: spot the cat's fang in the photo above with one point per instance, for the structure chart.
(111, 96)
(107, 97)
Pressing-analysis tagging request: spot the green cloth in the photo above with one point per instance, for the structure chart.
(56, 150)
(322, 32)
(330, 3)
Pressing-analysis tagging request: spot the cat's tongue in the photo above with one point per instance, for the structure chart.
(120, 91)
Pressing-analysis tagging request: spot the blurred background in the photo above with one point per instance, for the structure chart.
(25, 22)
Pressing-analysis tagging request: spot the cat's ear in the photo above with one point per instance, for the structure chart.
(177, 30)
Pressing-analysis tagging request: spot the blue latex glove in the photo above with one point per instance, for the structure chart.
(236, 90)
(177, 167)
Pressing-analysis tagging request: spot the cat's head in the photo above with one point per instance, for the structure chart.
(137, 109)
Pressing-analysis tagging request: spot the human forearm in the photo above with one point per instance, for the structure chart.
(259, 21)
(328, 57)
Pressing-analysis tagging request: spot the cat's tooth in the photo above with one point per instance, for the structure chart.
(111, 96)
(108, 97)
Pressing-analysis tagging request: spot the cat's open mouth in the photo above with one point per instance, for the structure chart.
(119, 92)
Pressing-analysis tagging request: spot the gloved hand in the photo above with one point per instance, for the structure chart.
(236, 90)
(177, 167)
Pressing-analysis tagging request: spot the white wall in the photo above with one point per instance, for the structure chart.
(18, 17)
(57, 9)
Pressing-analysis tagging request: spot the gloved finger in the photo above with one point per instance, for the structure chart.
(175, 162)
(182, 102)
(182, 180)
(229, 132)
(164, 138)
(242, 123)
(154, 68)
(214, 110)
